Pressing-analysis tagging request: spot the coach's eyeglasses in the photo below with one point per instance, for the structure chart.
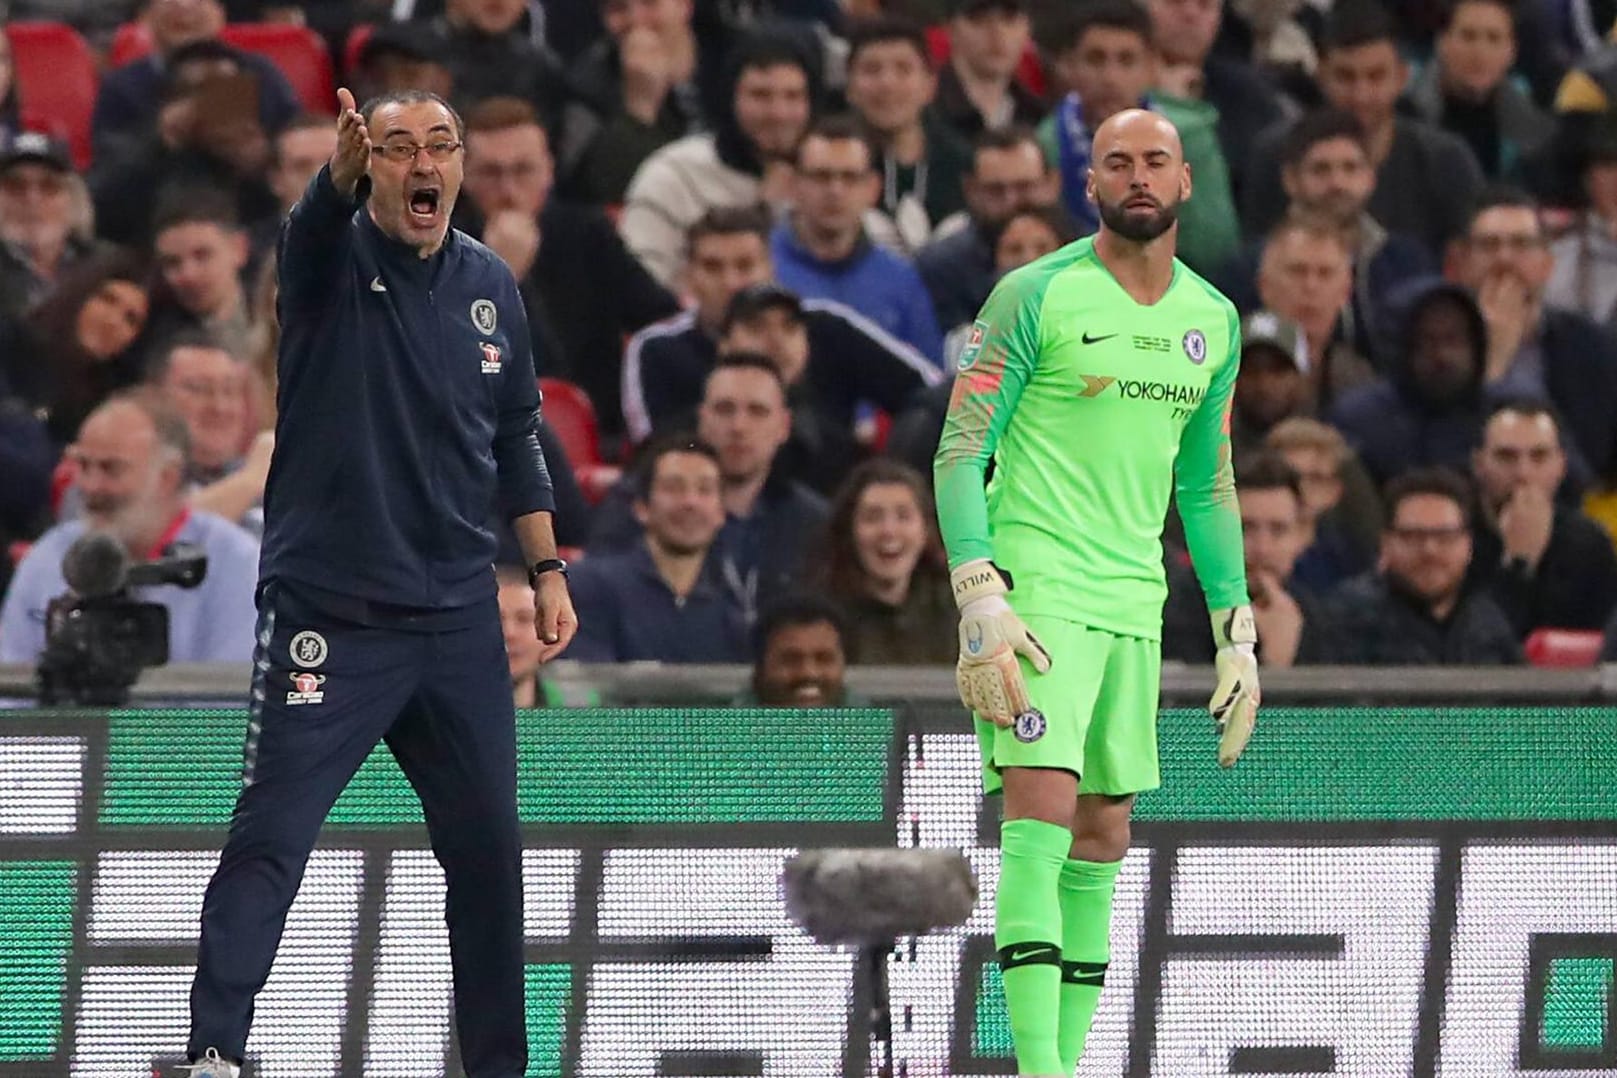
(402, 152)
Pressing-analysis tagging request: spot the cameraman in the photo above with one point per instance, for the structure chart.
(131, 453)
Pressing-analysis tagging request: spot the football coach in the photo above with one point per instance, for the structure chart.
(408, 410)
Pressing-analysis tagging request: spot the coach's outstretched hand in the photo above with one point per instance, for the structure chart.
(554, 621)
(353, 157)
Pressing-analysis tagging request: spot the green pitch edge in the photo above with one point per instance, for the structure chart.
(1353, 764)
(654, 766)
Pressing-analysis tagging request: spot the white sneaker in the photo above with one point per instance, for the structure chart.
(212, 1065)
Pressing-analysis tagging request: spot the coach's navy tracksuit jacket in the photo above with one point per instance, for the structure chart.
(396, 424)
(408, 409)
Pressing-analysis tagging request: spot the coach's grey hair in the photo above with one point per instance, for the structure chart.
(413, 97)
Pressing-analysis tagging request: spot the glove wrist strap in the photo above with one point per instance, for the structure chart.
(1234, 626)
(978, 579)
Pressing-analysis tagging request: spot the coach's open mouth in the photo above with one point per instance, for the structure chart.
(424, 206)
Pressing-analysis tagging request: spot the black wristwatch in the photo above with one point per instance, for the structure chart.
(547, 565)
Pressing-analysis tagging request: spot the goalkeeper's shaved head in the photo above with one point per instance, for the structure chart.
(1138, 175)
(1137, 129)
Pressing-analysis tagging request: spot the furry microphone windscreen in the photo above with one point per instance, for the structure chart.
(872, 896)
(95, 565)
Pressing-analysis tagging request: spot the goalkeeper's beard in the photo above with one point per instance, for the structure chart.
(1116, 216)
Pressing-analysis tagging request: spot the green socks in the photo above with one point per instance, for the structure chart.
(1086, 923)
(1052, 925)
(1028, 933)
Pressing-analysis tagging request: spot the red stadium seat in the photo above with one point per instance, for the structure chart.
(354, 46)
(1030, 72)
(299, 52)
(884, 427)
(872, 430)
(1564, 648)
(132, 41)
(56, 82)
(568, 411)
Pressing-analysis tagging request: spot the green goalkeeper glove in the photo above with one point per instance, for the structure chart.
(991, 636)
(1234, 705)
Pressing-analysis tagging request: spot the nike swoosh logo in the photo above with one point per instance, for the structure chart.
(377, 285)
(1087, 339)
(1027, 953)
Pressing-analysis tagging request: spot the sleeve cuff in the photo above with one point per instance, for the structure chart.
(323, 191)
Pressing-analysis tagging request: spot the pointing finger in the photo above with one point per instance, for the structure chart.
(345, 100)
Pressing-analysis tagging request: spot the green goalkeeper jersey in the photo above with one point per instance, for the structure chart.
(1094, 408)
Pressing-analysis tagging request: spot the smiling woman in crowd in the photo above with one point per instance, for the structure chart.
(82, 343)
(882, 561)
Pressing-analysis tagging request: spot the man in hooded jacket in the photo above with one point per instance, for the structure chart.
(1430, 407)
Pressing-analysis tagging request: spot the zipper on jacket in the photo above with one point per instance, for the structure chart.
(436, 454)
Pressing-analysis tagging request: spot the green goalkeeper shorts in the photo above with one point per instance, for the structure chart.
(1094, 713)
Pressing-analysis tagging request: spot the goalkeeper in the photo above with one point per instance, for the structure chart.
(1098, 380)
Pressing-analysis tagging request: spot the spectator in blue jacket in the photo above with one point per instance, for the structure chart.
(663, 600)
(821, 250)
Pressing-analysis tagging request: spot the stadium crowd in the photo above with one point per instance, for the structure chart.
(752, 237)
